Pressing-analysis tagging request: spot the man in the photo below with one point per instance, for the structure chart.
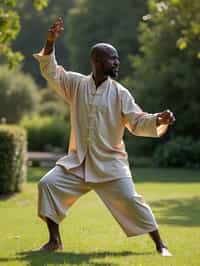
(100, 109)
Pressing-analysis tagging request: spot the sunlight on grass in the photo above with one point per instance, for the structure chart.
(92, 237)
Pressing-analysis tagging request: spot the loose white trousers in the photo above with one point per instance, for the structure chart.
(59, 189)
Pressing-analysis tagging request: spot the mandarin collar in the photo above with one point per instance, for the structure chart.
(100, 89)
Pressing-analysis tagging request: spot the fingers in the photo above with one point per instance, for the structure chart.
(57, 27)
(172, 118)
(59, 24)
(168, 117)
(55, 30)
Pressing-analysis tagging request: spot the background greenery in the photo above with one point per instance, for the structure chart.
(158, 42)
(166, 73)
(159, 48)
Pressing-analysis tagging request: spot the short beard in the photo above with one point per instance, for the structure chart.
(112, 74)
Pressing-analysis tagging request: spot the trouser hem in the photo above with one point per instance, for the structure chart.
(51, 217)
(141, 233)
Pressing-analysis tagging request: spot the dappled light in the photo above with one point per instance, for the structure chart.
(178, 212)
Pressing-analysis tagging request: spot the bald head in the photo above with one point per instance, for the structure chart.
(104, 60)
(101, 49)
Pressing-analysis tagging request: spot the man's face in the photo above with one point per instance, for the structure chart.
(110, 63)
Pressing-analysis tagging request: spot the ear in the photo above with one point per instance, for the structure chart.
(96, 61)
(98, 58)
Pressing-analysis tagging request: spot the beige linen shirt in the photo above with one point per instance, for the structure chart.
(98, 118)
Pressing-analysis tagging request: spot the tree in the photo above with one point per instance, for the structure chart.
(166, 74)
(10, 27)
(92, 21)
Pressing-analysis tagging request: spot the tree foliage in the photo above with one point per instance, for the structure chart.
(10, 27)
(92, 21)
(166, 74)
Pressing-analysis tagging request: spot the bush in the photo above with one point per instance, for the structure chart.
(18, 94)
(179, 152)
(13, 147)
(48, 95)
(50, 104)
(140, 146)
(52, 109)
(46, 133)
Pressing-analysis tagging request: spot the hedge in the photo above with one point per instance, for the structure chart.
(46, 133)
(178, 152)
(13, 155)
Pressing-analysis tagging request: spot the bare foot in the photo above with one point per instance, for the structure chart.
(52, 246)
(164, 252)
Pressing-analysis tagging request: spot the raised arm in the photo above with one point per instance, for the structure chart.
(62, 81)
(52, 35)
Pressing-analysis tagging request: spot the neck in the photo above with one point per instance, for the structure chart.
(98, 79)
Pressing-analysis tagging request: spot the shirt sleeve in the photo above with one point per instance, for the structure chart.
(138, 122)
(62, 81)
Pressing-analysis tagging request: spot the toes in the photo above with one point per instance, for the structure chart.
(165, 252)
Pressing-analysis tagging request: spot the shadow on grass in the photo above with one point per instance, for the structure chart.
(42, 258)
(181, 212)
(7, 196)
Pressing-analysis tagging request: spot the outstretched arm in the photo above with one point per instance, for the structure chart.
(142, 123)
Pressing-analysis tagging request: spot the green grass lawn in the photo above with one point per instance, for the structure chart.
(90, 234)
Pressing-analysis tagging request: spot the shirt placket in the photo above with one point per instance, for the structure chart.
(93, 102)
(91, 117)
(90, 132)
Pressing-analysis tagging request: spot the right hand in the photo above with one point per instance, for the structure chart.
(55, 30)
(165, 118)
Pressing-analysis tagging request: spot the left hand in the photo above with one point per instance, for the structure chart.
(165, 118)
(55, 30)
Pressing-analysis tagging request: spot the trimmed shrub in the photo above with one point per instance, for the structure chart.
(13, 155)
(18, 93)
(178, 152)
(46, 133)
